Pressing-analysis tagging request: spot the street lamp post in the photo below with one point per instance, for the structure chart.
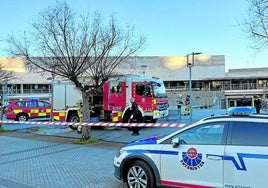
(190, 65)
(4, 98)
(51, 96)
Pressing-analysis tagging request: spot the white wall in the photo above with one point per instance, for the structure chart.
(174, 67)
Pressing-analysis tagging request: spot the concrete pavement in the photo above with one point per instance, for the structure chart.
(36, 161)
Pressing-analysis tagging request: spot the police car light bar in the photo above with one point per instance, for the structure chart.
(241, 110)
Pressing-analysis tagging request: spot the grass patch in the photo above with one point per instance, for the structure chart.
(2, 130)
(88, 141)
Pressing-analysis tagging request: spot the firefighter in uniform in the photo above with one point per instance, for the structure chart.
(187, 106)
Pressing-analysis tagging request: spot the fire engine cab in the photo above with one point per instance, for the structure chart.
(149, 93)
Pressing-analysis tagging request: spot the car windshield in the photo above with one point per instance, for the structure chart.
(159, 90)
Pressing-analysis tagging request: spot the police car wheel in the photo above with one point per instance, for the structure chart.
(139, 174)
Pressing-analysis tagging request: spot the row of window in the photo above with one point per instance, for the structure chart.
(142, 89)
(25, 88)
(32, 103)
(219, 85)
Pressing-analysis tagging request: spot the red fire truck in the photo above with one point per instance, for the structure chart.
(149, 93)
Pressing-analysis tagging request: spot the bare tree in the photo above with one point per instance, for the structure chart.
(116, 46)
(256, 23)
(5, 75)
(72, 46)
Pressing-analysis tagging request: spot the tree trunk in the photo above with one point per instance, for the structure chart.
(86, 130)
(86, 133)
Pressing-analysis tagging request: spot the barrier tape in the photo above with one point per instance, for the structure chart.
(101, 124)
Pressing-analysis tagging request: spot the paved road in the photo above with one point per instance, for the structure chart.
(45, 156)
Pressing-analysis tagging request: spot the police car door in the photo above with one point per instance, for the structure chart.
(196, 159)
(246, 161)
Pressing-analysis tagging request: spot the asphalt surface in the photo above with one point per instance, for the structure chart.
(44, 156)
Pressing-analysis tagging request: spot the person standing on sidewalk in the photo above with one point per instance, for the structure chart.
(257, 104)
(134, 116)
(179, 104)
(244, 101)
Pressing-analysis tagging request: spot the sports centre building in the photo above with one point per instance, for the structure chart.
(211, 83)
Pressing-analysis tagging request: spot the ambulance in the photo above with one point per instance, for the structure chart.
(229, 151)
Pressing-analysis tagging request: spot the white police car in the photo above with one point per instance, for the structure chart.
(229, 151)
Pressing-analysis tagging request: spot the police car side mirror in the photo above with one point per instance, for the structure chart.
(175, 142)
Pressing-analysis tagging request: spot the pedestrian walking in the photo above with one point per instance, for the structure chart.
(244, 101)
(257, 104)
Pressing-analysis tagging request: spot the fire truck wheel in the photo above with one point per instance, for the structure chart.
(73, 118)
(22, 117)
(73, 127)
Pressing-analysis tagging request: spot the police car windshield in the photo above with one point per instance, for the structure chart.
(159, 90)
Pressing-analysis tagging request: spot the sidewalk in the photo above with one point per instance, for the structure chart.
(117, 134)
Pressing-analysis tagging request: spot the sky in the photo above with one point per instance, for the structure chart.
(171, 27)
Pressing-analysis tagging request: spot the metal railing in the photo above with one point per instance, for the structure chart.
(241, 86)
(25, 91)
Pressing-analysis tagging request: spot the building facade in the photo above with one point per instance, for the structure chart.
(209, 80)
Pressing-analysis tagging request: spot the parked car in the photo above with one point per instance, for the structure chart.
(223, 151)
(22, 110)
